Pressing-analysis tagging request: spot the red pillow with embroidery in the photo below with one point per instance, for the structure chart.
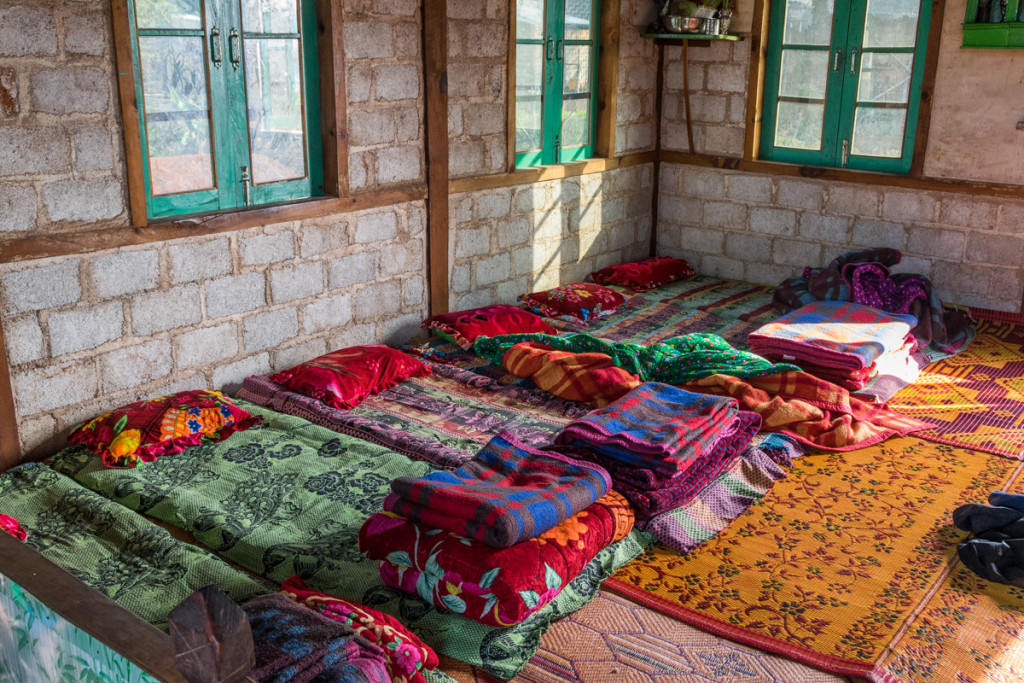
(407, 655)
(343, 378)
(11, 526)
(462, 327)
(641, 276)
(575, 302)
(161, 426)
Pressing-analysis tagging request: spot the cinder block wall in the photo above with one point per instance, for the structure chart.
(765, 228)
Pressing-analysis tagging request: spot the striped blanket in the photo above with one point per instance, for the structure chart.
(654, 427)
(591, 378)
(508, 493)
(811, 410)
(835, 334)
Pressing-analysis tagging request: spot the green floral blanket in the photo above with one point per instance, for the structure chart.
(119, 553)
(288, 497)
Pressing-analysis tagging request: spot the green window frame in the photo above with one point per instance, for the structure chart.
(844, 90)
(556, 76)
(228, 103)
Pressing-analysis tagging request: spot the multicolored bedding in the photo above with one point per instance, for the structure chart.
(288, 498)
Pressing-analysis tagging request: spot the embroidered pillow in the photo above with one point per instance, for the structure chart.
(641, 276)
(575, 302)
(161, 426)
(462, 327)
(343, 378)
(407, 655)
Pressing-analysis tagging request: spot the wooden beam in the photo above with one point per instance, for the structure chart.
(686, 94)
(129, 112)
(435, 65)
(607, 78)
(755, 80)
(659, 93)
(842, 175)
(541, 173)
(89, 610)
(10, 443)
(333, 107)
(64, 244)
(510, 92)
(924, 111)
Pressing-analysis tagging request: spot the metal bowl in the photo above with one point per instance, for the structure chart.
(675, 24)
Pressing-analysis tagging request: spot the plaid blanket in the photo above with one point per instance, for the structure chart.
(294, 644)
(946, 331)
(811, 410)
(654, 427)
(591, 378)
(651, 493)
(835, 334)
(672, 361)
(507, 494)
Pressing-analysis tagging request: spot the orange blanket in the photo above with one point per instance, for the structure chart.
(592, 378)
(811, 410)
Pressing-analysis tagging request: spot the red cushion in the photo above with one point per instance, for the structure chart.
(574, 302)
(463, 327)
(160, 426)
(345, 377)
(641, 276)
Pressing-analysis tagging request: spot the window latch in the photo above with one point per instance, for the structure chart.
(216, 55)
(233, 48)
(846, 152)
(246, 181)
(550, 49)
(853, 61)
(835, 60)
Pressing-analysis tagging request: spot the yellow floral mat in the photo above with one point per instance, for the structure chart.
(850, 564)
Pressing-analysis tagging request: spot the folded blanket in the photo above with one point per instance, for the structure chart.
(655, 427)
(407, 655)
(833, 334)
(673, 361)
(652, 494)
(508, 493)
(497, 587)
(591, 378)
(946, 331)
(811, 410)
(296, 645)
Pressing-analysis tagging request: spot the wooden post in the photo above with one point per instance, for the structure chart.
(10, 444)
(659, 89)
(435, 63)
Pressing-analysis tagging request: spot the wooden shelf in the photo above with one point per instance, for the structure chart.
(689, 36)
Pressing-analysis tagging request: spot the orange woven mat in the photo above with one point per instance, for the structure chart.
(850, 564)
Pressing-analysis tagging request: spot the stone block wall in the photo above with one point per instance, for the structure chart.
(718, 98)
(765, 228)
(384, 85)
(87, 333)
(634, 130)
(60, 146)
(508, 241)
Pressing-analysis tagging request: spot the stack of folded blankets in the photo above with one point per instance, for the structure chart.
(501, 536)
(661, 444)
(842, 342)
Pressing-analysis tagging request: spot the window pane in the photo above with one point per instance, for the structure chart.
(798, 125)
(885, 77)
(804, 73)
(579, 15)
(878, 132)
(273, 85)
(576, 96)
(177, 113)
(808, 22)
(529, 103)
(529, 19)
(168, 14)
(270, 16)
(891, 23)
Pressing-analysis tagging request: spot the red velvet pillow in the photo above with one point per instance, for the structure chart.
(161, 426)
(641, 276)
(462, 327)
(575, 302)
(345, 377)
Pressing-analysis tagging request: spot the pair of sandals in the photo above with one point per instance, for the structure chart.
(996, 552)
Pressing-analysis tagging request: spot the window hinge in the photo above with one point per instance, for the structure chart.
(246, 181)
(846, 152)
